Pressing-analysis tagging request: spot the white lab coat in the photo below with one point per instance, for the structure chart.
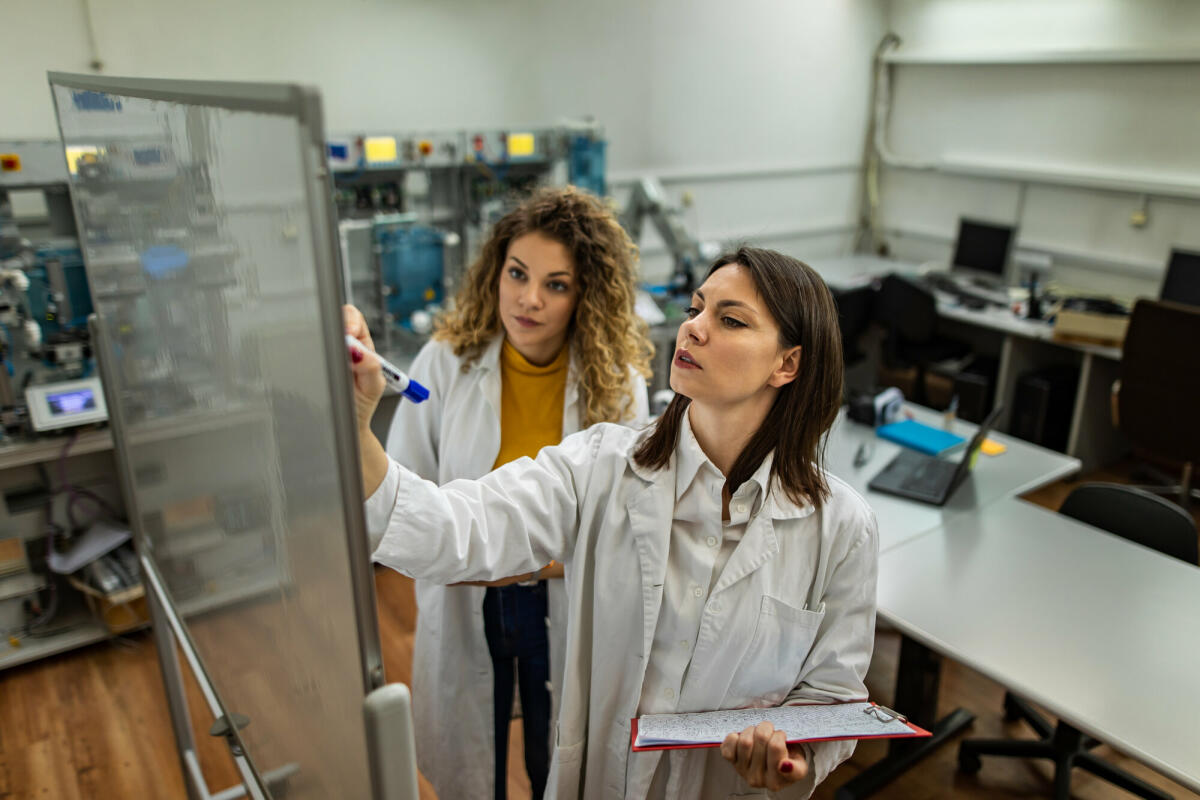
(456, 434)
(792, 617)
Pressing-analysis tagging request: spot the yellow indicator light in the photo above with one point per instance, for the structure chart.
(520, 144)
(84, 153)
(380, 149)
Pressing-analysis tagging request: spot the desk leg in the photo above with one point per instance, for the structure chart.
(917, 681)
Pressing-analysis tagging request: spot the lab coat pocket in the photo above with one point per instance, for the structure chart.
(783, 635)
(566, 768)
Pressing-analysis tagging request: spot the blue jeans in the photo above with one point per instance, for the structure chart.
(514, 621)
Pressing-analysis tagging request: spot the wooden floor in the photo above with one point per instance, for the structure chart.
(94, 723)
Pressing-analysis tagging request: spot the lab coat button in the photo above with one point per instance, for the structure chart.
(741, 508)
(669, 693)
(712, 541)
(684, 644)
(696, 590)
(715, 608)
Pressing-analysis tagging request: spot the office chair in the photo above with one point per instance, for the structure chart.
(908, 313)
(855, 310)
(1132, 514)
(1159, 390)
(1182, 281)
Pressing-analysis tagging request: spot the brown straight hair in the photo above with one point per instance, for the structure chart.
(805, 408)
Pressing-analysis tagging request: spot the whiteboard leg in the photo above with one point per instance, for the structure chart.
(391, 748)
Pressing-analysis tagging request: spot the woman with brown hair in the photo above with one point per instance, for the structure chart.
(542, 342)
(710, 561)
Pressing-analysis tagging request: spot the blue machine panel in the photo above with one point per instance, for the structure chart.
(585, 164)
(41, 301)
(412, 259)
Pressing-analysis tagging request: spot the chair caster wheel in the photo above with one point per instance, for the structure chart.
(1012, 712)
(969, 762)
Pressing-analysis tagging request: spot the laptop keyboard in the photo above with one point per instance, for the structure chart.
(927, 476)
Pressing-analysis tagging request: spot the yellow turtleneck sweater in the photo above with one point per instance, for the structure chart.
(531, 403)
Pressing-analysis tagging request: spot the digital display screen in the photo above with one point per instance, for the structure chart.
(66, 403)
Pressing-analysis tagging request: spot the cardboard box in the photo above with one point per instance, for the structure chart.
(119, 611)
(1087, 326)
(12, 556)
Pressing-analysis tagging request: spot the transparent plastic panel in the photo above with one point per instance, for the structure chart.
(198, 233)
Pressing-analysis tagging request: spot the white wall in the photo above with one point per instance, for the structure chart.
(1133, 122)
(733, 104)
(379, 63)
(756, 110)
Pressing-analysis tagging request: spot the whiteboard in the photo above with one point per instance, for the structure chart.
(205, 222)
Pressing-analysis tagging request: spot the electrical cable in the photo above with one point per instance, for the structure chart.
(77, 493)
(870, 236)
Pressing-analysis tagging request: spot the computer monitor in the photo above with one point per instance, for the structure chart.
(1182, 284)
(982, 249)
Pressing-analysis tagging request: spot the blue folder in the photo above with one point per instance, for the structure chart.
(920, 437)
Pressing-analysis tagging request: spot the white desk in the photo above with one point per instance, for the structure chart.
(1022, 468)
(1072, 618)
(1024, 345)
(1102, 632)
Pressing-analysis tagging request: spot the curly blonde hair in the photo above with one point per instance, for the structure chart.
(603, 329)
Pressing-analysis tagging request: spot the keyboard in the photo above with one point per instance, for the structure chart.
(968, 295)
(929, 476)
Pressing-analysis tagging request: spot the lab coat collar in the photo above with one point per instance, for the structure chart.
(571, 391)
(648, 474)
(488, 366)
(489, 357)
(689, 458)
(776, 504)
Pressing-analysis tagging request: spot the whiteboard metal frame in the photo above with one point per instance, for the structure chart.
(304, 105)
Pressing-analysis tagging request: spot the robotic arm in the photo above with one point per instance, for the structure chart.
(649, 199)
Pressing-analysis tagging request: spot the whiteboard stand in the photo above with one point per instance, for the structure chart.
(213, 166)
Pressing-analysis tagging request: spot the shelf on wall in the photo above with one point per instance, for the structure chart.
(1044, 57)
(37, 451)
(84, 630)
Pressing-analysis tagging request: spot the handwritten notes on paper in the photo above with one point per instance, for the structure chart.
(858, 720)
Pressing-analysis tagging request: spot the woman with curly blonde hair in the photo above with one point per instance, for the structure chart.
(542, 342)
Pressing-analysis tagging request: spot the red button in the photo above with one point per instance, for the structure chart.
(10, 162)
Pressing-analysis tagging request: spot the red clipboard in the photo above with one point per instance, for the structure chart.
(917, 733)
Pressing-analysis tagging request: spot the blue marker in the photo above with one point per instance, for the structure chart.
(394, 377)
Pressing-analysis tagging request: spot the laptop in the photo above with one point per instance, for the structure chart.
(927, 479)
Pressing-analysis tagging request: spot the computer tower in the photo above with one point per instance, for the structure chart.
(974, 385)
(1043, 404)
